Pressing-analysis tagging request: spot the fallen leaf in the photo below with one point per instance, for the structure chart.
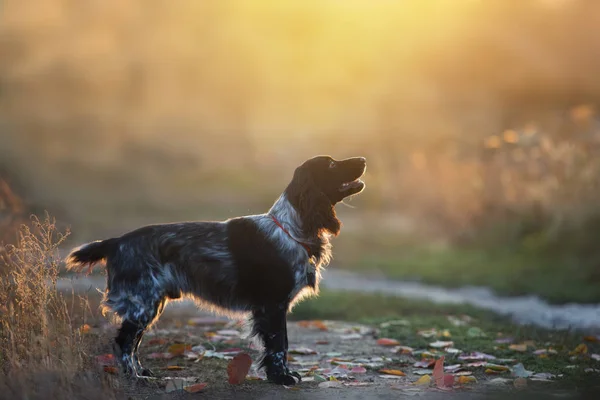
(195, 388)
(520, 372)
(518, 347)
(452, 350)
(110, 370)
(157, 341)
(497, 368)
(592, 338)
(238, 368)
(426, 363)
(595, 357)
(453, 368)
(427, 333)
(498, 381)
(463, 373)
(476, 356)
(463, 380)
(581, 349)
(402, 350)
(441, 380)
(423, 371)
(542, 376)
(320, 325)
(105, 359)
(322, 342)
(174, 368)
(358, 370)
(85, 329)
(477, 364)
(386, 376)
(351, 336)
(520, 383)
(395, 372)
(439, 344)
(178, 349)
(387, 342)
(320, 378)
(302, 350)
(445, 333)
(425, 380)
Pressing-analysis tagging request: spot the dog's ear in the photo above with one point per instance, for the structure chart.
(315, 209)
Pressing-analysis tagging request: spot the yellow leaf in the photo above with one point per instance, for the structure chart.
(446, 333)
(174, 368)
(425, 380)
(178, 349)
(462, 380)
(518, 347)
(392, 372)
(581, 349)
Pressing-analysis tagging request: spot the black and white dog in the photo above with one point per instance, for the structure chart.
(258, 264)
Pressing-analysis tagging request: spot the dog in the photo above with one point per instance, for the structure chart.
(256, 265)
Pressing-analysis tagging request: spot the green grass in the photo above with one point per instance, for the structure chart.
(556, 278)
(420, 315)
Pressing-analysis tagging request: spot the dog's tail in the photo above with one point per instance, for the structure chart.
(90, 254)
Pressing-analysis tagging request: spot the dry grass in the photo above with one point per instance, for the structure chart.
(43, 354)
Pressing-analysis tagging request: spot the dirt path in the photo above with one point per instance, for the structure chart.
(319, 350)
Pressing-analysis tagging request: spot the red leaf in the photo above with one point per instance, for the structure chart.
(110, 370)
(105, 359)
(441, 380)
(195, 388)
(238, 368)
(387, 342)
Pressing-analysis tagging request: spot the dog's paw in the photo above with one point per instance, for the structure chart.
(287, 378)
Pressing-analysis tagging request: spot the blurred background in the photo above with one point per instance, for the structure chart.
(479, 121)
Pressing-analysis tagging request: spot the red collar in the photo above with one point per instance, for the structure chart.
(306, 247)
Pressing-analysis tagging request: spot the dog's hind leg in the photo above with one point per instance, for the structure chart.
(136, 318)
(138, 340)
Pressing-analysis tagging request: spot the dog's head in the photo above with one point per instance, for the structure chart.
(319, 184)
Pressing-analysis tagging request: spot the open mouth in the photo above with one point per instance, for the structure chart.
(351, 185)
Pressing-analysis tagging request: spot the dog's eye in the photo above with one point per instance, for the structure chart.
(332, 164)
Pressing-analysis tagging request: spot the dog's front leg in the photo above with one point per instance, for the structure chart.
(270, 326)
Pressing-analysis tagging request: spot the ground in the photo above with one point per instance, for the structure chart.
(188, 347)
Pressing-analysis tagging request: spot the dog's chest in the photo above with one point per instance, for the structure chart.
(304, 276)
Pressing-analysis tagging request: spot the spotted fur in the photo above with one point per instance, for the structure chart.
(246, 265)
